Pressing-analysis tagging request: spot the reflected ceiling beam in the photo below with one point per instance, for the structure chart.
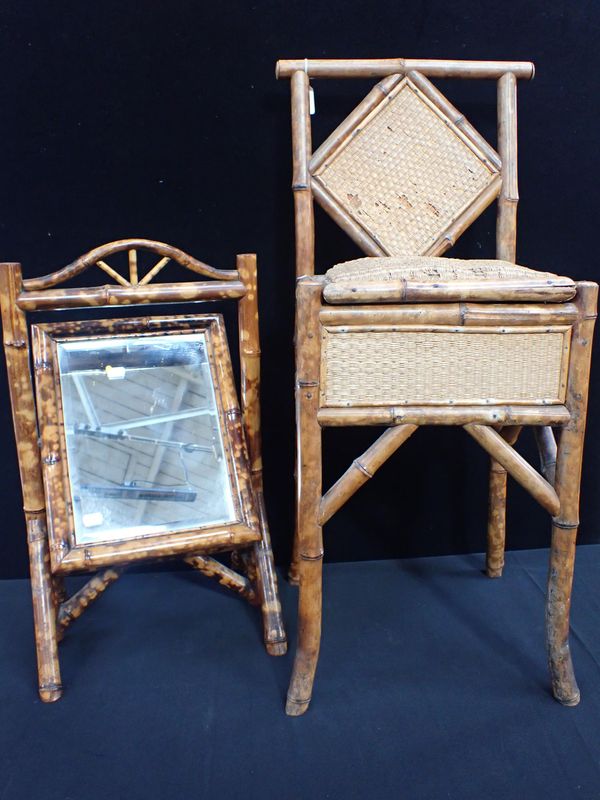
(156, 419)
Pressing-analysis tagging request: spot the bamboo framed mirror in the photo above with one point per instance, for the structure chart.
(137, 434)
(131, 441)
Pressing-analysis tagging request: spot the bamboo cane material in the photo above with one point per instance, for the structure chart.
(362, 469)
(459, 314)
(380, 67)
(112, 273)
(496, 531)
(303, 203)
(568, 479)
(401, 291)
(74, 607)
(274, 631)
(104, 251)
(191, 292)
(433, 415)
(506, 226)
(16, 348)
(133, 268)
(155, 270)
(226, 577)
(546, 444)
(308, 530)
(516, 465)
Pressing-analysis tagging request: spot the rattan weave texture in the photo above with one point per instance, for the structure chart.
(390, 367)
(406, 173)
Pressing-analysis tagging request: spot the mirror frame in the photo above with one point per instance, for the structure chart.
(65, 554)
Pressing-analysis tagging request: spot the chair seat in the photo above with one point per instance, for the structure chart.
(408, 279)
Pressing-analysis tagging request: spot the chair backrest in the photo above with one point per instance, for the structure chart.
(405, 173)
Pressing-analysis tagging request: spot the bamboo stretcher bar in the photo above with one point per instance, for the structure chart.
(362, 469)
(516, 465)
(155, 547)
(227, 577)
(546, 444)
(104, 251)
(99, 296)
(479, 314)
(380, 67)
(400, 291)
(434, 415)
(77, 604)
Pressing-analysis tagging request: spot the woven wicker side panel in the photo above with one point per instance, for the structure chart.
(406, 173)
(371, 368)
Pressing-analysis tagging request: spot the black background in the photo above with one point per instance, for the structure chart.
(165, 120)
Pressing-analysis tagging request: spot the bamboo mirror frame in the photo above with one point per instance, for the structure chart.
(73, 541)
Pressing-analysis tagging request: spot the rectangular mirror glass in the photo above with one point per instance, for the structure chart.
(143, 436)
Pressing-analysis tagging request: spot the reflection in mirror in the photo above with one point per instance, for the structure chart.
(144, 446)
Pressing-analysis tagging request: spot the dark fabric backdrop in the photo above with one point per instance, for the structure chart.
(164, 120)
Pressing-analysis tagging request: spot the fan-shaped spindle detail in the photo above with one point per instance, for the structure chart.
(155, 270)
(133, 270)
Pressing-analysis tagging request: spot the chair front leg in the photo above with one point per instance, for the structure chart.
(308, 495)
(565, 525)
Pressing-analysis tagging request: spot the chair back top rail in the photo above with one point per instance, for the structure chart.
(380, 67)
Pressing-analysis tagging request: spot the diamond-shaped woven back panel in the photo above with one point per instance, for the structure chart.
(406, 173)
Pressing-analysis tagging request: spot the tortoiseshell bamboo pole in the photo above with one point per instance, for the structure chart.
(191, 292)
(399, 291)
(227, 577)
(547, 449)
(496, 531)
(75, 606)
(568, 479)
(363, 468)
(16, 348)
(308, 494)
(274, 631)
(467, 314)
(301, 147)
(379, 67)
(506, 249)
(303, 207)
(444, 415)
(520, 469)
(104, 251)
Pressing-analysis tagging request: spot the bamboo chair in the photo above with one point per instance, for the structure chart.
(252, 554)
(404, 338)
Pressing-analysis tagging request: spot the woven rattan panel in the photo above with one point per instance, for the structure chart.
(406, 173)
(468, 366)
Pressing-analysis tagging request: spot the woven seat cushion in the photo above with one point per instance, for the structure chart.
(414, 278)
